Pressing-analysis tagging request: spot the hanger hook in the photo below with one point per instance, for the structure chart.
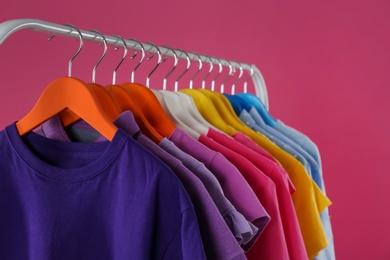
(78, 50)
(173, 68)
(123, 58)
(239, 77)
(208, 74)
(185, 71)
(246, 80)
(231, 73)
(158, 62)
(197, 72)
(140, 61)
(101, 58)
(219, 73)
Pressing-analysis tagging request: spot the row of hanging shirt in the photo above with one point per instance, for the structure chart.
(126, 172)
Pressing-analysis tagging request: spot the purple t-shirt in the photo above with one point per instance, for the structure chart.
(234, 185)
(218, 241)
(108, 200)
(243, 230)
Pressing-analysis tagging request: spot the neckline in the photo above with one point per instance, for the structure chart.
(109, 150)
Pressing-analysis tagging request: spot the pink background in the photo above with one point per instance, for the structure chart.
(326, 65)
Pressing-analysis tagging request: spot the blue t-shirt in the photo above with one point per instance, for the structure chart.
(109, 200)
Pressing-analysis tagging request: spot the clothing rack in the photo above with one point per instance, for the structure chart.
(7, 28)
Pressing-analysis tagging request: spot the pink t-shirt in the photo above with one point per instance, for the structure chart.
(292, 231)
(272, 242)
(242, 138)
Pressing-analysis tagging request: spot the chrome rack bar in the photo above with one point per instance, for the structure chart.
(7, 28)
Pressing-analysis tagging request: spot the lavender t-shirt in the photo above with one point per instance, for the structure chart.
(243, 230)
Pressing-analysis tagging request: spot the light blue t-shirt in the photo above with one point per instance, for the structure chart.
(311, 148)
(300, 139)
(315, 168)
(249, 121)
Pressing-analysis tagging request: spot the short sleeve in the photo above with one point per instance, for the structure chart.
(186, 243)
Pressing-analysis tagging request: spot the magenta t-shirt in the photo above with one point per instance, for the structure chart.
(272, 242)
(234, 185)
(292, 231)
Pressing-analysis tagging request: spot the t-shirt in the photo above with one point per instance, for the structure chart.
(243, 139)
(314, 166)
(315, 172)
(240, 137)
(243, 230)
(307, 161)
(234, 185)
(272, 242)
(109, 200)
(285, 144)
(218, 241)
(300, 139)
(308, 198)
(292, 232)
(310, 147)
